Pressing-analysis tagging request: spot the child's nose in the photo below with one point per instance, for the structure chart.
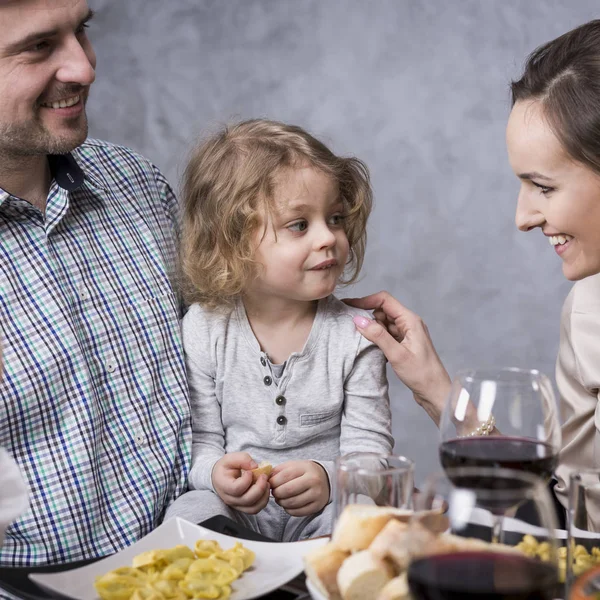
(325, 238)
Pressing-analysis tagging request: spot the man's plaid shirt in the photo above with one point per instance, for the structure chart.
(94, 402)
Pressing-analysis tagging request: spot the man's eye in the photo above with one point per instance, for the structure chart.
(299, 226)
(81, 29)
(39, 47)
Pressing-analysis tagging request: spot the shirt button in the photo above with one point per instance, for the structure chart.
(281, 420)
(267, 380)
(140, 439)
(111, 366)
(263, 362)
(83, 293)
(280, 400)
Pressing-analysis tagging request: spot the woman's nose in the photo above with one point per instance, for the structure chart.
(528, 215)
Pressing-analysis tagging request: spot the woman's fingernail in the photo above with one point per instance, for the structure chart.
(361, 322)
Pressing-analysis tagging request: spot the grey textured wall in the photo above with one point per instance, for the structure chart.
(416, 88)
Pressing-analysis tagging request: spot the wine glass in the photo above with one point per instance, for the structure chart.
(583, 517)
(458, 563)
(500, 417)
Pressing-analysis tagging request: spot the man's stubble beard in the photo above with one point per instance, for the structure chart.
(33, 139)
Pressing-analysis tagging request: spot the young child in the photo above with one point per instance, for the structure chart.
(273, 222)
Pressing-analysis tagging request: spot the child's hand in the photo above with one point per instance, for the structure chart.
(300, 487)
(232, 480)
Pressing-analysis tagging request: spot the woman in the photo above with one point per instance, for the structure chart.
(553, 140)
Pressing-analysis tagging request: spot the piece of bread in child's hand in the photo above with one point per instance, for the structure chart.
(359, 524)
(322, 565)
(263, 467)
(363, 576)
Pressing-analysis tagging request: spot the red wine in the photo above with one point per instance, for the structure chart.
(481, 575)
(522, 454)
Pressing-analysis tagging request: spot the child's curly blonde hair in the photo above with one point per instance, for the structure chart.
(227, 189)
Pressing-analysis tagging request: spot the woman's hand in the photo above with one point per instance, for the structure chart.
(404, 339)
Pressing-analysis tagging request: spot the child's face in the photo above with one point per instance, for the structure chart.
(303, 248)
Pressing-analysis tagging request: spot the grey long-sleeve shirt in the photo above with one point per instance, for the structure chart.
(331, 399)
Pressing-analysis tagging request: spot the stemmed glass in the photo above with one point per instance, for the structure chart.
(583, 517)
(452, 567)
(503, 417)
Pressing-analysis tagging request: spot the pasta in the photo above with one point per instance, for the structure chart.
(582, 559)
(178, 573)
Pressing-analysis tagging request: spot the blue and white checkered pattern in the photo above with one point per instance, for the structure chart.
(94, 403)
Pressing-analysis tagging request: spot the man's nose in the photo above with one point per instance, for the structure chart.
(77, 63)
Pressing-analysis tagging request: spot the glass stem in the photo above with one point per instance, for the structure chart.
(497, 529)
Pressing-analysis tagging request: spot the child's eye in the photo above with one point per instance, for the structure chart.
(337, 220)
(298, 226)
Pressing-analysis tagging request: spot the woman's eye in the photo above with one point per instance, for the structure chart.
(543, 189)
(299, 226)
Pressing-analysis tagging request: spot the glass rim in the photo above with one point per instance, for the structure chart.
(536, 482)
(473, 373)
(409, 463)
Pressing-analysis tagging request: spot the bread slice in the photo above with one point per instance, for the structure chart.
(362, 576)
(358, 525)
(434, 520)
(395, 589)
(399, 543)
(263, 467)
(389, 544)
(322, 566)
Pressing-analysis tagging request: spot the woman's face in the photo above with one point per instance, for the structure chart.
(558, 195)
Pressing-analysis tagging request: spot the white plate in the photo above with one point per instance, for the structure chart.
(480, 516)
(314, 592)
(275, 564)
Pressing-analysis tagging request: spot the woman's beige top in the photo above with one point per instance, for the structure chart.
(578, 381)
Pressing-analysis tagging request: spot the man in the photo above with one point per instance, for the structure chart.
(94, 402)
(13, 493)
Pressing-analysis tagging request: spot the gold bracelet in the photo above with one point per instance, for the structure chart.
(485, 428)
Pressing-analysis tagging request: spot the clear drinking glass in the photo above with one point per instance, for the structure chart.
(501, 417)
(583, 524)
(452, 567)
(371, 478)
